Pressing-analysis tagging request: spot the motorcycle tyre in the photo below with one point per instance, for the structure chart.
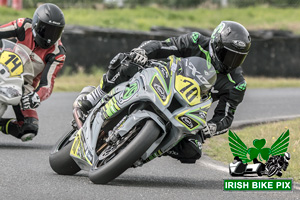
(128, 156)
(60, 160)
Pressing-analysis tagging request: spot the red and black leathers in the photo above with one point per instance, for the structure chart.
(46, 64)
(229, 88)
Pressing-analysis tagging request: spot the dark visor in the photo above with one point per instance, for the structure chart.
(231, 58)
(47, 31)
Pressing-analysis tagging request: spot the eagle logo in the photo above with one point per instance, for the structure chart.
(238, 147)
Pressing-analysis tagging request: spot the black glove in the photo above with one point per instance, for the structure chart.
(139, 56)
(30, 101)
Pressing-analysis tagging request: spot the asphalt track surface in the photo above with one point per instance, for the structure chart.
(25, 172)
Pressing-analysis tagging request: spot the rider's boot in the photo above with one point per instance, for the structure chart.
(29, 129)
(4, 124)
(25, 131)
(90, 100)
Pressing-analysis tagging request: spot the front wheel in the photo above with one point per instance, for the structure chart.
(60, 160)
(106, 170)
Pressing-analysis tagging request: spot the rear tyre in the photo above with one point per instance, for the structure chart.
(60, 160)
(126, 157)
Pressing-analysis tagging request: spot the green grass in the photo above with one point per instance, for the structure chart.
(68, 82)
(143, 18)
(264, 82)
(218, 147)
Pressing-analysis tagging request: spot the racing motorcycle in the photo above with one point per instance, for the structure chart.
(138, 120)
(13, 59)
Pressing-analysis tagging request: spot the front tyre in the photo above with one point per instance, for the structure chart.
(126, 157)
(60, 160)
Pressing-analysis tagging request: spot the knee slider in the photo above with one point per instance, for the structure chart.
(193, 149)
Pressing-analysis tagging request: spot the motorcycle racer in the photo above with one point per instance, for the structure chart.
(41, 38)
(226, 49)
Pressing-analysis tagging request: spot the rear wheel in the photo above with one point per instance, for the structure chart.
(60, 160)
(114, 160)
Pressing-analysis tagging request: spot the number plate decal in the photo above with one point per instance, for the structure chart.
(188, 89)
(13, 63)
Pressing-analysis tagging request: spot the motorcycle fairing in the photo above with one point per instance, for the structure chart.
(12, 62)
(11, 69)
(188, 89)
(140, 89)
(159, 90)
(162, 82)
(80, 150)
(129, 92)
(193, 118)
(13, 58)
(110, 108)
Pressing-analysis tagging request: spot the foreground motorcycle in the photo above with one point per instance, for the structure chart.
(13, 59)
(137, 121)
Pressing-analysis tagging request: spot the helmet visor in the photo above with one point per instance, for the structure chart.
(230, 58)
(50, 33)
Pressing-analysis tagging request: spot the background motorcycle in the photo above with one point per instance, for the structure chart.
(138, 120)
(15, 63)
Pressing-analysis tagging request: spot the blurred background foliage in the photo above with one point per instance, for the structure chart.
(143, 15)
(166, 3)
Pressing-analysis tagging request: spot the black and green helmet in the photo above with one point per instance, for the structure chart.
(229, 46)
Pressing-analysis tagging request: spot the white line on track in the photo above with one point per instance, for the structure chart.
(215, 166)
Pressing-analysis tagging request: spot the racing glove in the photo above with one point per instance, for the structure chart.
(206, 132)
(211, 130)
(30, 101)
(139, 56)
